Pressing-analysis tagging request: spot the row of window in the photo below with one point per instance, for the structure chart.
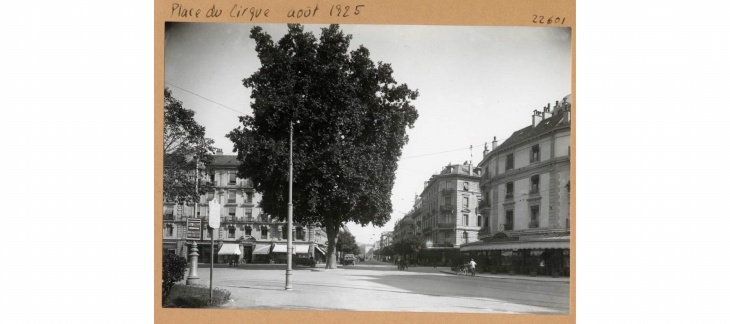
(509, 163)
(534, 157)
(534, 187)
(534, 218)
(298, 234)
(203, 210)
(446, 219)
(464, 201)
(247, 197)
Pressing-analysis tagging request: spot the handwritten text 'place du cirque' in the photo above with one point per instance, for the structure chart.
(251, 13)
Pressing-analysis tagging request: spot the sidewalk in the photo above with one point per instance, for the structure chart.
(514, 277)
(447, 270)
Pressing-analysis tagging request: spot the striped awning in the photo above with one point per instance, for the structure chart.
(229, 249)
(279, 248)
(316, 248)
(262, 249)
(298, 248)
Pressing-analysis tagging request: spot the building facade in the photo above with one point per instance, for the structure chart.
(258, 237)
(525, 183)
(404, 227)
(448, 206)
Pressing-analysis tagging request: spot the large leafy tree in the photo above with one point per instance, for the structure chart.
(346, 243)
(184, 145)
(349, 119)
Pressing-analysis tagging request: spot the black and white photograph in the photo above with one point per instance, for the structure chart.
(385, 168)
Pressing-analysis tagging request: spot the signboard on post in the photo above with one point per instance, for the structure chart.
(215, 213)
(193, 232)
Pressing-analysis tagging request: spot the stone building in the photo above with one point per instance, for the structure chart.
(449, 201)
(525, 183)
(243, 227)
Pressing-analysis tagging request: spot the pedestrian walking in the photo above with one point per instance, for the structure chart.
(472, 267)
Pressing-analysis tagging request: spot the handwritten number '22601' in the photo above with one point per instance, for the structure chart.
(541, 20)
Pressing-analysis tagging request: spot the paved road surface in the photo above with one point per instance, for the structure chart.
(377, 286)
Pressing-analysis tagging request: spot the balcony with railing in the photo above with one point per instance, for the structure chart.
(168, 217)
(448, 209)
(534, 191)
(446, 224)
(448, 191)
(228, 219)
(485, 203)
(483, 232)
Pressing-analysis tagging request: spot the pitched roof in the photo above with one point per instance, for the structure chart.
(544, 126)
(225, 160)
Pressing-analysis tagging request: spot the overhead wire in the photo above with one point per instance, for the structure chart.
(402, 158)
(197, 95)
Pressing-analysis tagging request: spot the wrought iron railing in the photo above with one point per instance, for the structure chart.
(484, 231)
(485, 203)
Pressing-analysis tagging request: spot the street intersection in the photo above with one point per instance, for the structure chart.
(379, 286)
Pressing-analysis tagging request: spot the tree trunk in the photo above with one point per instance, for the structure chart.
(332, 230)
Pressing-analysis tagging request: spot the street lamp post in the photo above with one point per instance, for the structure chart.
(193, 274)
(290, 212)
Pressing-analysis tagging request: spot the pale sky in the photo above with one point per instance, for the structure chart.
(474, 83)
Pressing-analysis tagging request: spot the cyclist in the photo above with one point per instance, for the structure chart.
(472, 267)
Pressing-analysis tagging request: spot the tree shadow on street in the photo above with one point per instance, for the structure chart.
(553, 296)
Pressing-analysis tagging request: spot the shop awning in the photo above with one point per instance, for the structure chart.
(279, 248)
(555, 242)
(298, 248)
(229, 249)
(301, 249)
(316, 248)
(262, 249)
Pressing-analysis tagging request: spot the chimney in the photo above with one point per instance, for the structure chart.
(219, 151)
(486, 150)
(566, 108)
(471, 169)
(536, 117)
(494, 143)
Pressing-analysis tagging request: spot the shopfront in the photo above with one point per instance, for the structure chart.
(536, 256)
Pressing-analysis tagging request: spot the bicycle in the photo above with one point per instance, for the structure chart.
(461, 269)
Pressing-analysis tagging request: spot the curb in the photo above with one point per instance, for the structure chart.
(567, 280)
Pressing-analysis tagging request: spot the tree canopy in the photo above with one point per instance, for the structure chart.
(349, 119)
(409, 245)
(184, 144)
(346, 243)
